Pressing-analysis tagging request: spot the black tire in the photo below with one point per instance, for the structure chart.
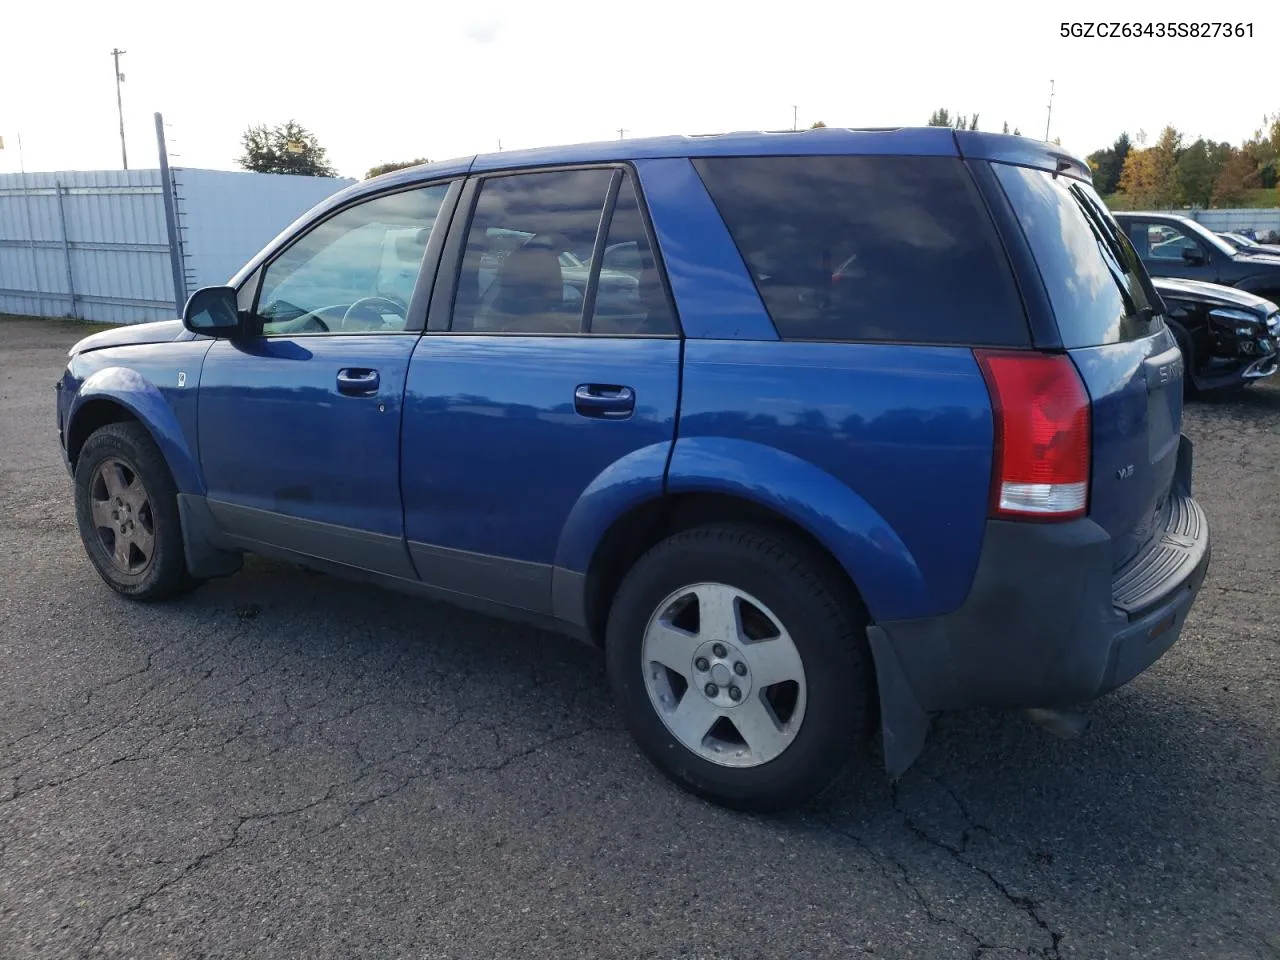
(828, 632)
(164, 574)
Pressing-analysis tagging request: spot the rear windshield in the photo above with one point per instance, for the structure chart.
(1098, 287)
(869, 248)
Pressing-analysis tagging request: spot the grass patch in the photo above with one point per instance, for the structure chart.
(85, 327)
(1259, 198)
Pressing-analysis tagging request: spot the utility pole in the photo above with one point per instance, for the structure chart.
(1049, 115)
(116, 54)
(622, 133)
(795, 113)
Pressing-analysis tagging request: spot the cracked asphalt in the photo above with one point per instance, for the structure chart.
(285, 765)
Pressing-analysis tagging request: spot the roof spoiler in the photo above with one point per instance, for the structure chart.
(1022, 151)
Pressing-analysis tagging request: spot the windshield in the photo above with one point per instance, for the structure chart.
(1098, 287)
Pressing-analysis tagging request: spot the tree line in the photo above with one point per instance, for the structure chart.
(1172, 172)
(1177, 172)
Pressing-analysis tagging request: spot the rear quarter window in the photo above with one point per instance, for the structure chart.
(1096, 283)
(869, 248)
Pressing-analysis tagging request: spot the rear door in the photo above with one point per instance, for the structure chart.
(1106, 314)
(541, 378)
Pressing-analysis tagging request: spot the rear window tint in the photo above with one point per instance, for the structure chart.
(869, 248)
(1098, 287)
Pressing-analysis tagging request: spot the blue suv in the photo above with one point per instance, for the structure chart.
(814, 433)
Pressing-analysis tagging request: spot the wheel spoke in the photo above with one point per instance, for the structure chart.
(121, 552)
(144, 540)
(113, 477)
(135, 494)
(101, 511)
(773, 661)
(718, 616)
(755, 721)
(670, 646)
(692, 718)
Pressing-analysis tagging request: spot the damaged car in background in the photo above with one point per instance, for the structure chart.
(1228, 337)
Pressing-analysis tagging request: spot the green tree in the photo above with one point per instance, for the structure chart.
(1197, 173)
(817, 124)
(382, 168)
(1107, 164)
(285, 148)
(943, 118)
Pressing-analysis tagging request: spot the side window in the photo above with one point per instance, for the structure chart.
(1160, 241)
(869, 248)
(630, 297)
(355, 272)
(525, 266)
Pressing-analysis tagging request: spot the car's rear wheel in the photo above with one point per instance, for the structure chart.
(127, 512)
(741, 666)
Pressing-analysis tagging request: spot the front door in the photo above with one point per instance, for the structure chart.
(1165, 247)
(299, 424)
(549, 379)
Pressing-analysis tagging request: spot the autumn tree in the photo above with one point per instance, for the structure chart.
(285, 148)
(1150, 176)
(1238, 176)
(382, 168)
(817, 125)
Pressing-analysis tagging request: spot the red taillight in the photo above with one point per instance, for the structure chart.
(1041, 413)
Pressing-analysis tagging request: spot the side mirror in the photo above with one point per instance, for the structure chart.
(213, 312)
(1193, 255)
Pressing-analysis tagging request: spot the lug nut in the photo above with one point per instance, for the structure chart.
(735, 694)
(702, 665)
(719, 650)
(711, 690)
(740, 668)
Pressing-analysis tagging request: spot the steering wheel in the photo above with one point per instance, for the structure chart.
(399, 308)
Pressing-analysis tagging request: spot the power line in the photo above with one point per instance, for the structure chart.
(116, 54)
(622, 131)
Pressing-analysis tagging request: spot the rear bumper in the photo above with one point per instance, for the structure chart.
(1047, 623)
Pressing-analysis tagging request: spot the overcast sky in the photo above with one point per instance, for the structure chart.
(390, 80)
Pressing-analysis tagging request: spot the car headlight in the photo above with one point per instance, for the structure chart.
(1233, 315)
(1273, 324)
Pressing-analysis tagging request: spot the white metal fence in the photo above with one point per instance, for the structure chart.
(97, 244)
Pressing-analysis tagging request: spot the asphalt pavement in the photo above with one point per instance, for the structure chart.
(286, 765)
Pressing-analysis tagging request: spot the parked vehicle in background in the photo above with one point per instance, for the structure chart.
(886, 423)
(1249, 245)
(1228, 337)
(1175, 246)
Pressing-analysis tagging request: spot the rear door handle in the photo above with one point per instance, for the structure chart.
(604, 401)
(358, 382)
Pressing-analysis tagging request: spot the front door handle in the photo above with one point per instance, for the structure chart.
(604, 401)
(358, 382)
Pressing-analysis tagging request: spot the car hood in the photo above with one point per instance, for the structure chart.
(159, 331)
(1213, 294)
(1261, 259)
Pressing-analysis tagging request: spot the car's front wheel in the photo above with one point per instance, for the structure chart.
(741, 667)
(127, 512)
